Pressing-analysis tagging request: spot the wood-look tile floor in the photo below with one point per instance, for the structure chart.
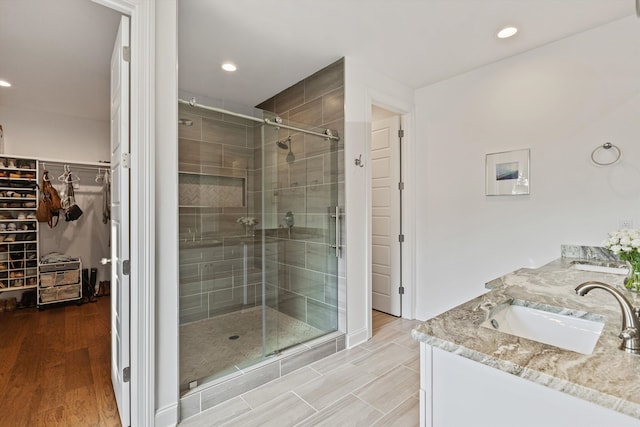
(55, 367)
(373, 384)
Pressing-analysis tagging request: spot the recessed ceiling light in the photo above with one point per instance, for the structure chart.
(5, 83)
(228, 66)
(507, 32)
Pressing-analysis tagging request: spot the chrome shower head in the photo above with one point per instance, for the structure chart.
(284, 143)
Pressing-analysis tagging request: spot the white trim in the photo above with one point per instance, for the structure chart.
(358, 337)
(406, 113)
(142, 196)
(166, 417)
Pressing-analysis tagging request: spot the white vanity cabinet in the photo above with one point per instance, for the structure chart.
(457, 391)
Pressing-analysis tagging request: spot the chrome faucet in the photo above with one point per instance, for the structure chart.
(630, 334)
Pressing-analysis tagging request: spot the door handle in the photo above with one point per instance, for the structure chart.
(105, 261)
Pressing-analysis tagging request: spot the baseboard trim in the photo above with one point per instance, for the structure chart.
(167, 416)
(357, 337)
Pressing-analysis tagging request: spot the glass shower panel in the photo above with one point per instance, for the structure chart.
(258, 265)
(299, 199)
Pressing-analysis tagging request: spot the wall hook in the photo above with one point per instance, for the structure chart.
(358, 161)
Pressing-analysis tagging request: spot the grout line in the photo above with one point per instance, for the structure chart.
(371, 406)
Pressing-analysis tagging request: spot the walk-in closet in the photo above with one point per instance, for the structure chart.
(54, 231)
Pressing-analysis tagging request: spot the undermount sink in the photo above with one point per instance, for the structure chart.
(601, 267)
(568, 329)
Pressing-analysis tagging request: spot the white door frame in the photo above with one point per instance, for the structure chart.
(142, 218)
(405, 111)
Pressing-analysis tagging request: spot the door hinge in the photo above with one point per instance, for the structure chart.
(126, 53)
(401, 290)
(400, 133)
(126, 374)
(126, 160)
(401, 238)
(401, 186)
(126, 267)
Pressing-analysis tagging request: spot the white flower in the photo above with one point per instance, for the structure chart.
(615, 249)
(247, 220)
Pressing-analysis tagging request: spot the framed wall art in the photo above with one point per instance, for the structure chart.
(507, 173)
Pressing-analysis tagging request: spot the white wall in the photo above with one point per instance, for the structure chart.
(48, 135)
(166, 233)
(44, 134)
(362, 87)
(561, 101)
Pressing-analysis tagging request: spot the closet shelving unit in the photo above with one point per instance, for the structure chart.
(62, 281)
(18, 224)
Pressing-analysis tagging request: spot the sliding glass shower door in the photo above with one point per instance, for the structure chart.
(298, 199)
(258, 239)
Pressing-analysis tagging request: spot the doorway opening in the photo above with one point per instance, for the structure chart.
(386, 211)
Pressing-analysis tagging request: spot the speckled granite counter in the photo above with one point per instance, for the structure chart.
(608, 377)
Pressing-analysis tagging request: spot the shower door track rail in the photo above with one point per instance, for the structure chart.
(328, 133)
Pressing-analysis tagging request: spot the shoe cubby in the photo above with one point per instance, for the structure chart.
(18, 224)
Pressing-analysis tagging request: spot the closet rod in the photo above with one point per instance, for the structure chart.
(76, 164)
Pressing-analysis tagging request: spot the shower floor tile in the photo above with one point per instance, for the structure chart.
(206, 349)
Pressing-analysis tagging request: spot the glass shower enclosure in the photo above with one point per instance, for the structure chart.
(259, 238)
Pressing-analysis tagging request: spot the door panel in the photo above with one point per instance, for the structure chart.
(385, 212)
(120, 303)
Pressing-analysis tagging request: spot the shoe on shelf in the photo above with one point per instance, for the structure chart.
(3, 226)
(30, 215)
(10, 238)
(11, 226)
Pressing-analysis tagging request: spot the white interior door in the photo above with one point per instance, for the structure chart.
(120, 306)
(385, 215)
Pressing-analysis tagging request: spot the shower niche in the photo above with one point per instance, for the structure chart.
(199, 190)
(259, 234)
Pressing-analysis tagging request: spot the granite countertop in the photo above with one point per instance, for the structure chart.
(607, 377)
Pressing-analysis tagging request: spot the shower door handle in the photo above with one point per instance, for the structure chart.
(338, 222)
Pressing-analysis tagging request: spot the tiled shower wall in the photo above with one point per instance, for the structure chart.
(216, 160)
(220, 164)
(302, 276)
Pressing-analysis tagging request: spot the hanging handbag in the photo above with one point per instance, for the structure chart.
(73, 211)
(50, 204)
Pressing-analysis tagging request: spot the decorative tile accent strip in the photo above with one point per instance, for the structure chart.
(208, 190)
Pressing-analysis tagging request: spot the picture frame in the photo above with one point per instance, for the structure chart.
(507, 173)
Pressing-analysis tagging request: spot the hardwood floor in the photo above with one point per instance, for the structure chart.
(55, 367)
(379, 319)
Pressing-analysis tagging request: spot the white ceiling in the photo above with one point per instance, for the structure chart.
(56, 53)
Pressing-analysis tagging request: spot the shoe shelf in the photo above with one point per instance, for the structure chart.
(59, 282)
(18, 224)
